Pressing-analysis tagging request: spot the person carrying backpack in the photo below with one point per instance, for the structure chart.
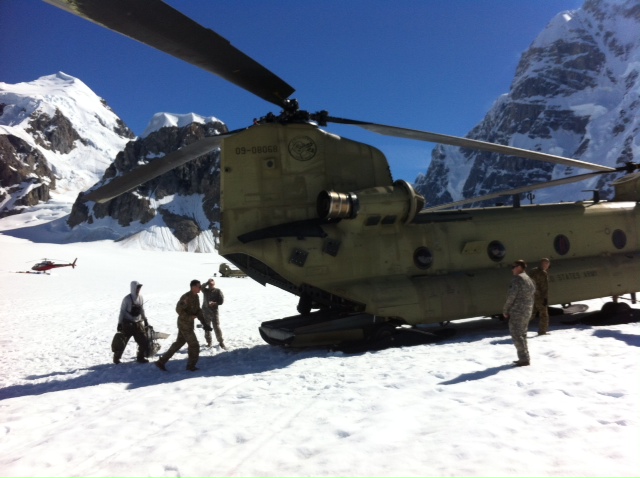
(131, 323)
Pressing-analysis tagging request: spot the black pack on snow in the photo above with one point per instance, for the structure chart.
(152, 341)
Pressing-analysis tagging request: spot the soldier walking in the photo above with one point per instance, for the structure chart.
(188, 309)
(517, 309)
(540, 278)
(213, 298)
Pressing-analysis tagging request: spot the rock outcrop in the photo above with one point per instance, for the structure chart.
(186, 199)
(26, 174)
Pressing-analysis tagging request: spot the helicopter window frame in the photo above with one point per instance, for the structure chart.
(423, 258)
(496, 251)
(619, 239)
(561, 244)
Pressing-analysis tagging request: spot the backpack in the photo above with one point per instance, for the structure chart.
(152, 342)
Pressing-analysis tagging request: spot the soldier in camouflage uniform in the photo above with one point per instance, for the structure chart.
(188, 309)
(517, 309)
(213, 298)
(540, 278)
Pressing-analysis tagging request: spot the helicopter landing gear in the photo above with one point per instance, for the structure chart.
(615, 308)
(383, 331)
(444, 323)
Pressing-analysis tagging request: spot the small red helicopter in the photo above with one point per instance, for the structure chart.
(46, 265)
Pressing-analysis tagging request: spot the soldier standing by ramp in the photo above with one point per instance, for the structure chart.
(517, 309)
(213, 298)
(188, 309)
(540, 278)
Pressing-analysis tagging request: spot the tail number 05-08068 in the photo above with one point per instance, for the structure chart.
(256, 149)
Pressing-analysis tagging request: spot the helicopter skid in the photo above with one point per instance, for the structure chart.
(319, 328)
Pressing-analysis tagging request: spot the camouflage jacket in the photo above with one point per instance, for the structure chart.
(188, 307)
(520, 297)
(541, 279)
(211, 295)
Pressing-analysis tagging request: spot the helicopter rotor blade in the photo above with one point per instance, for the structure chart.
(160, 26)
(522, 189)
(121, 184)
(468, 143)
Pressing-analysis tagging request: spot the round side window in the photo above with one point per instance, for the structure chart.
(422, 258)
(619, 239)
(561, 244)
(496, 251)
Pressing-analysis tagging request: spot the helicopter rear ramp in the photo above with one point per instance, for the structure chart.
(321, 328)
(352, 333)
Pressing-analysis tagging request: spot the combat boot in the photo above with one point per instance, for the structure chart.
(161, 366)
(223, 346)
(116, 358)
(521, 363)
(192, 368)
(142, 360)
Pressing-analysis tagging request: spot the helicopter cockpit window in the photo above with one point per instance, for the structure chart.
(561, 244)
(619, 239)
(496, 251)
(422, 258)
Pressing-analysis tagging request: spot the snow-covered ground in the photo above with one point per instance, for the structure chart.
(448, 409)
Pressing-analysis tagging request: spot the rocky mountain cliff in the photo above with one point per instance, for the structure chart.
(576, 93)
(179, 210)
(56, 138)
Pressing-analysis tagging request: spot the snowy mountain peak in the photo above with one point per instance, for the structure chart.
(576, 93)
(59, 91)
(163, 120)
(56, 136)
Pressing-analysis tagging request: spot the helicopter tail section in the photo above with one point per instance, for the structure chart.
(272, 176)
(73, 264)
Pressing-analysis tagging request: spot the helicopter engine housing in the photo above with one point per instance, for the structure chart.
(380, 204)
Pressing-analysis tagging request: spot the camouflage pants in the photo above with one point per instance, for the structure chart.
(518, 326)
(540, 309)
(212, 319)
(121, 339)
(186, 335)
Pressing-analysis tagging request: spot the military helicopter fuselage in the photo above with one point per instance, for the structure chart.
(320, 216)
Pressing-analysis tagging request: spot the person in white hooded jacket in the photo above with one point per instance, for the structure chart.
(131, 323)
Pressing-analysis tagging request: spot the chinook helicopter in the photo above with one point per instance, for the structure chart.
(320, 216)
(226, 270)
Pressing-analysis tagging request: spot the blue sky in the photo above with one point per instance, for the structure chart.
(430, 65)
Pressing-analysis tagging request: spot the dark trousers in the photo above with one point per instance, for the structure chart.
(121, 338)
